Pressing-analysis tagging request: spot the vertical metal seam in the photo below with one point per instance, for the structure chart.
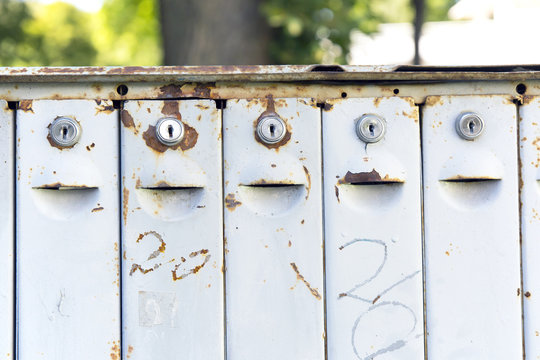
(15, 317)
(223, 241)
(422, 225)
(520, 217)
(323, 237)
(120, 188)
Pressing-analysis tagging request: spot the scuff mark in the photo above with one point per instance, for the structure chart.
(231, 203)
(61, 302)
(127, 121)
(300, 277)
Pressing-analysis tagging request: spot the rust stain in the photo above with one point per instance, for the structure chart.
(194, 270)
(434, 100)
(115, 350)
(371, 177)
(375, 300)
(231, 203)
(336, 189)
(527, 294)
(308, 177)
(271, 111)
(90, 147)
(107, 109)
(202, 107)
(203, 90)
(190, 139)
(536, 143)
(300, 277)
(342, 295)
(129, 351)
(327, 107)
(377, 101)
(171, 91)
(518, 291)
(97, 209)
(125, 204)
(26, 106)
(171, 108)
(128, 122)
(527, 99)
(302, 222)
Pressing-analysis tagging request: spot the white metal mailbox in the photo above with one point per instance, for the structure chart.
(68, 284)
(281, 212)
(172, 303)
(373, 229)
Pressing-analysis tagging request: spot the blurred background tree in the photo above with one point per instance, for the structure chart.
(171, 32)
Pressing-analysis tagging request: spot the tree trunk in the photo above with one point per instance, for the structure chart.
(214, 32)
(419, 10)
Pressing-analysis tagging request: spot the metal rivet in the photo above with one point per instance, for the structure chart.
(65, 132)
(271, 129)
(169, 131)
(370, 128)
(469, 125)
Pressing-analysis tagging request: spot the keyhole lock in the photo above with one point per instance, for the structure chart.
(370, 128)
(65, 131)
(271, 129)
(469, 125)
(169, 131)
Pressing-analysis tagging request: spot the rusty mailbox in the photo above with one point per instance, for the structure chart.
(262, 212)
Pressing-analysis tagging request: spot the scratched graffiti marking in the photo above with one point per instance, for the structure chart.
(177, 265)
(375, 305)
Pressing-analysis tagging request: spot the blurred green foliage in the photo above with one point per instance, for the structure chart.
(127, 32)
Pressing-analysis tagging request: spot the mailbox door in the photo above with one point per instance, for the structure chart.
(172, 233)
(471, 214)
(7, 262)
(373, 231)
(67, 233)
(273, 231)
(530, 222)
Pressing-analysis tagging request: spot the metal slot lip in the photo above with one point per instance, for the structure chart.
(63, 187)
(470, 179)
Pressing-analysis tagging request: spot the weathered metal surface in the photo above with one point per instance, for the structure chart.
(472, 248)
(373, 234)
(172, 88)
(67, 234)
(7, 262)
(529, 116)
(273, 231)
(172, 233)
(269, 73)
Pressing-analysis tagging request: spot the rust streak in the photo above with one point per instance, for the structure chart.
(300, 277)
(125, 205)
(231, 203)
(128, 122)
(171, 108)
(308, 177)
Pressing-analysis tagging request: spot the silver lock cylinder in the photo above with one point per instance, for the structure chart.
(370, 128)
(65, 131)
(169, 131)
(271, 129)
(469, 125)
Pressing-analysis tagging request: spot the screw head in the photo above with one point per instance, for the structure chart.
(65, 131)
(271, 129)
(469, 125)
(169, 131)
(370, 128)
